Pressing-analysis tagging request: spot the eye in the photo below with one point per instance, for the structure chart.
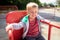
(35, 11)
(31, 11)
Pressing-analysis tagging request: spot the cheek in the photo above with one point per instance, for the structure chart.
(35, 14)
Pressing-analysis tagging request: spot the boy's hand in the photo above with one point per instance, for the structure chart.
(9, 27)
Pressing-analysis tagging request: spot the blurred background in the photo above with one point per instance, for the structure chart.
(49, 9)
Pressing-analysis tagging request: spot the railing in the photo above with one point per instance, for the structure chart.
(50, 27)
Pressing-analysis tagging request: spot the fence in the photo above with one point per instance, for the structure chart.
(7, 8)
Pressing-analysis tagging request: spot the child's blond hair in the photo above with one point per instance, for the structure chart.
(31, 5)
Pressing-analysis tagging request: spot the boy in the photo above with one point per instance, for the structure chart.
(31, 23)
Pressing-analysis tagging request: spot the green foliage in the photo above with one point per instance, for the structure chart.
(44, 4)
(21, 4)
(58, 2)
(51, 5)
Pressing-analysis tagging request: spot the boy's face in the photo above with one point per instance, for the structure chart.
(33, 11)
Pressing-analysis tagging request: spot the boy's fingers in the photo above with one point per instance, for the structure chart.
(9, 27)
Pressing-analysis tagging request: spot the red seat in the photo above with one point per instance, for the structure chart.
(15, 17)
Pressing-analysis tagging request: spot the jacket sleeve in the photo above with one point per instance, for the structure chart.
(20, 24)
(17, 26)
(43, 20)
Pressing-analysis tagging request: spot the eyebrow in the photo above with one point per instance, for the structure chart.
(34, 6)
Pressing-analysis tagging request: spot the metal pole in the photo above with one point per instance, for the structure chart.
(49, 32)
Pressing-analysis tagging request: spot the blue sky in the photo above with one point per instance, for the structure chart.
(48, 1)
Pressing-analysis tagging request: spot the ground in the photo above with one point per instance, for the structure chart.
(50, 14)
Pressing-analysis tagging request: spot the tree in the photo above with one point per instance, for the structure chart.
(44, 4)
(58, 2)
(51, 5)
(21, 4)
